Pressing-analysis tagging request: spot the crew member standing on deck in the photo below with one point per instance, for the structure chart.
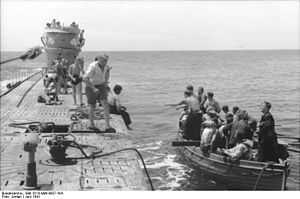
(61, 70)
(75, 74)
(267, 137)
(96, 78)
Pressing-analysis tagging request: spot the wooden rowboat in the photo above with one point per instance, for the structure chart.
(242, 175)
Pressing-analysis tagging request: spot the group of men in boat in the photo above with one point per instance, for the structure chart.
(229, 133)
(96, 79)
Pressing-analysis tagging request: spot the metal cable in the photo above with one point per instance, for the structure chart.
(128, 149)
(27, 91)
(94, 155)
(8, 91)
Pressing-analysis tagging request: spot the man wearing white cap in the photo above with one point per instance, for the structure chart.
(96, 78)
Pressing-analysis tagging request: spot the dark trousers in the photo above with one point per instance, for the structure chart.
(267, 149)
(193, 126)
(125, 115)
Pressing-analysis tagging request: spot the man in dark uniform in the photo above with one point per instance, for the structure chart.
(267, 137)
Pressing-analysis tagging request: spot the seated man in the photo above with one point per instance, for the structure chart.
(51, 90)
(115, 106)
(243, 150)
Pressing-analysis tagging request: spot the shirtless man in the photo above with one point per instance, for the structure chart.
(75, 74)
(194, 119)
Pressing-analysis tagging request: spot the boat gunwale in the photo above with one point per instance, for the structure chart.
(244, 164)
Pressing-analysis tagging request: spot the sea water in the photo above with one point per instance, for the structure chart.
(152, 79)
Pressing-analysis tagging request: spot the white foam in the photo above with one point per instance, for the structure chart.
(150, 146)
(176, 172)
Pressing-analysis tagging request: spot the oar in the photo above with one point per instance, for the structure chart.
(171, 105)
(288, 137)
(29, 54)
(186, 143)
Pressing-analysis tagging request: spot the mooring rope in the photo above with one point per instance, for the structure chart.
(260, 175)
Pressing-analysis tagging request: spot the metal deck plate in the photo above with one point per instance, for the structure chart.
(121, 171)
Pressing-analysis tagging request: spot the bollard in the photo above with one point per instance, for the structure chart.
(30, 144)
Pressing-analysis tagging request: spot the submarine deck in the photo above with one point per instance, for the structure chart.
(120, 171)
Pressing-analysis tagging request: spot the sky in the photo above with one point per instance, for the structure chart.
(157, 25)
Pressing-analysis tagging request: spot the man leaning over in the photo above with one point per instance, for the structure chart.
(96, 78)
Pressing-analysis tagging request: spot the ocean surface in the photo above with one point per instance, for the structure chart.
(152, 79)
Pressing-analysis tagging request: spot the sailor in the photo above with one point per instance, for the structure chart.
(240, 130)
(192, 126)
(185, 112)
(81, 38)
(61, 70)
(53, 23)
(222, 137)
(242, 150)
(190, 88)
(235, 111)
(51, 90)
(73, 24)
(194, 119)
(225, 111)
(201, 97)
(115, 106)
(211, 103)
(96, 78)
(207, 136)
(75, 73)
(267, 137)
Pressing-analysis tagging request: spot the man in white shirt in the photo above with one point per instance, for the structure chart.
(96, 78)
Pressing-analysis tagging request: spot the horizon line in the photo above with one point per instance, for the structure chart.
(284, 49)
